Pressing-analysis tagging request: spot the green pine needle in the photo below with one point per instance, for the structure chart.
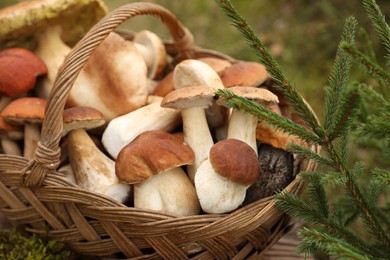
(365, 62)
(379, 22)
(334, 246)
(339, 77)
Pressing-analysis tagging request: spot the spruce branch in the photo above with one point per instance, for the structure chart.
(282, 123)
(367, 210)
(339, 76)
(347, 110)
(310, 213)
(378, 20)
(334, 246)
(381, 175)
(307, 153)
(371, 67)
(271, 65)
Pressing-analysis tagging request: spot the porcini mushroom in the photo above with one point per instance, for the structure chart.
(242, 124)
(30, 112)
(123, 129)
(92, 169)
(81, 117)
(192, 102)
(222, 180)
(152, 163)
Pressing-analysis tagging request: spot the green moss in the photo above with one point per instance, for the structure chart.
(15, 245)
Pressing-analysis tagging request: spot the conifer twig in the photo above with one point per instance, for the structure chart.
(378, 20)
(372, 68)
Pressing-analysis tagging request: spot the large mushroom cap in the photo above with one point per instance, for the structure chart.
(19, 69)
(20, 23)
(236, 161)
(244, 73)
(150, 153)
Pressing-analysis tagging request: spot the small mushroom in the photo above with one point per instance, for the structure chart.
(242, 124)
(123, 129)
(81, 117)
(153, 52)
(244, 73)
(30, 112)
(192, 102)
(222, 180)
(92, 169)
(19, 69)
(152, 163)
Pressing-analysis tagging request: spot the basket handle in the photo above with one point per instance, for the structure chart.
(47, 155)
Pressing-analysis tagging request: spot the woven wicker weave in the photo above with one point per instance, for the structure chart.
(33, 193)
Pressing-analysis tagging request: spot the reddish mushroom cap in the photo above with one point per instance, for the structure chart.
(25, 110)
(19, 69)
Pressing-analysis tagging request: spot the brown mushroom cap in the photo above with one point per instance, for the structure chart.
(192, 96)
(150, 153)
(259, 95)
(25, 110)
(81, 117)
(244, 73)
(19, 69)
(236, 161)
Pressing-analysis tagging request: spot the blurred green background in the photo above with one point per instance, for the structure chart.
(302, 34)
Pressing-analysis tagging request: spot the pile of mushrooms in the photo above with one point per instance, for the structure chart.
(149, 134)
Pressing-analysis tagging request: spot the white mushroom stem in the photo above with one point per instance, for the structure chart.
(10, 147)
(93, 170)
(217, 194)
(169, 191)
(197, 136)
(242, 126)
(52, 50)
(32, 135)
(123, 129)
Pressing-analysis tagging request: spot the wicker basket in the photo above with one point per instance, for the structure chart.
(33, 193)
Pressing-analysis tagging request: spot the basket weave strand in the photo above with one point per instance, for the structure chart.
(74, 62)
(34, 194)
